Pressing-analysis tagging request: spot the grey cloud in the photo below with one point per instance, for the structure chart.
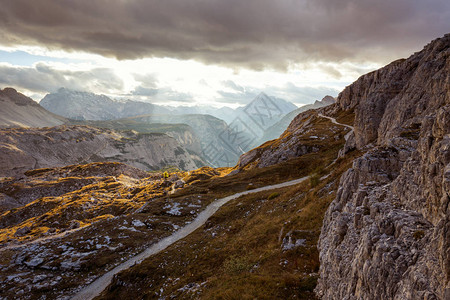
(43, 78)
(143, 91)
(294, 93)
(147, 80)
(231, 84)
(160, 95)
(251, 33)
(289, 92)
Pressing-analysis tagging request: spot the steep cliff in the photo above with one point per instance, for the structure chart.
(387, 233)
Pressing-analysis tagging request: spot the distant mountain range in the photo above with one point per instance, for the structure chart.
(79, 105)
(89, 106)
(217, 136)
(224, 133)
(23, 148)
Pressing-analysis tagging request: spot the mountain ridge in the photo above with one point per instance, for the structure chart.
(21, 111)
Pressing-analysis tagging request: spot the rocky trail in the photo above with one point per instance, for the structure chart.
(95, 288)
(333, 120)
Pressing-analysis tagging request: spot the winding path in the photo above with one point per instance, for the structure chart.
(95, 288)
(333, 120)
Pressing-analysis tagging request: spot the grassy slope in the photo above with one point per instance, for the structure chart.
(238, 253)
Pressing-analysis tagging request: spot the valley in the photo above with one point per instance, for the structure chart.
(346, 198)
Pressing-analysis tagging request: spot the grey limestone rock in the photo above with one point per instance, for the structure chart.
(387, 233)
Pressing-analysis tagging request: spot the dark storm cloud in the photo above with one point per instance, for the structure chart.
(250, 33)
(44, 78)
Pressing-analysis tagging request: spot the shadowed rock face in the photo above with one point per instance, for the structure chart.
(386, 235)
(24, 149)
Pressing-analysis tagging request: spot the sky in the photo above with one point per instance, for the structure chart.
(208, 52)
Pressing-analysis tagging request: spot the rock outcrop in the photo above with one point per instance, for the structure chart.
(23, 149)
(387, 233)
(17, 110)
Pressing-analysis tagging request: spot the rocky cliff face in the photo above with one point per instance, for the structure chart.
(24, 149)
(184, 134)
(387, 233)
(218, 148)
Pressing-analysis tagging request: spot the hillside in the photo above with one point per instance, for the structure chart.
(71, 236)
(17, 110)
(219, 145)
(22, 149)
(184, 134)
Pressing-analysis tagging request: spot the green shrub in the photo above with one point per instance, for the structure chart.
(273, 196)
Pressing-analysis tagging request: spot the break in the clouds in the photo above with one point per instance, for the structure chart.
(235, 33)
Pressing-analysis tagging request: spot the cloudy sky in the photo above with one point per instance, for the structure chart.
(216, 52)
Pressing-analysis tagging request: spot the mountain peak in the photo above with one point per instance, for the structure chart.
(262, 95)
(14, 96)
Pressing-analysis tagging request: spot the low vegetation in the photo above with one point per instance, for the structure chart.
(260, 246)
